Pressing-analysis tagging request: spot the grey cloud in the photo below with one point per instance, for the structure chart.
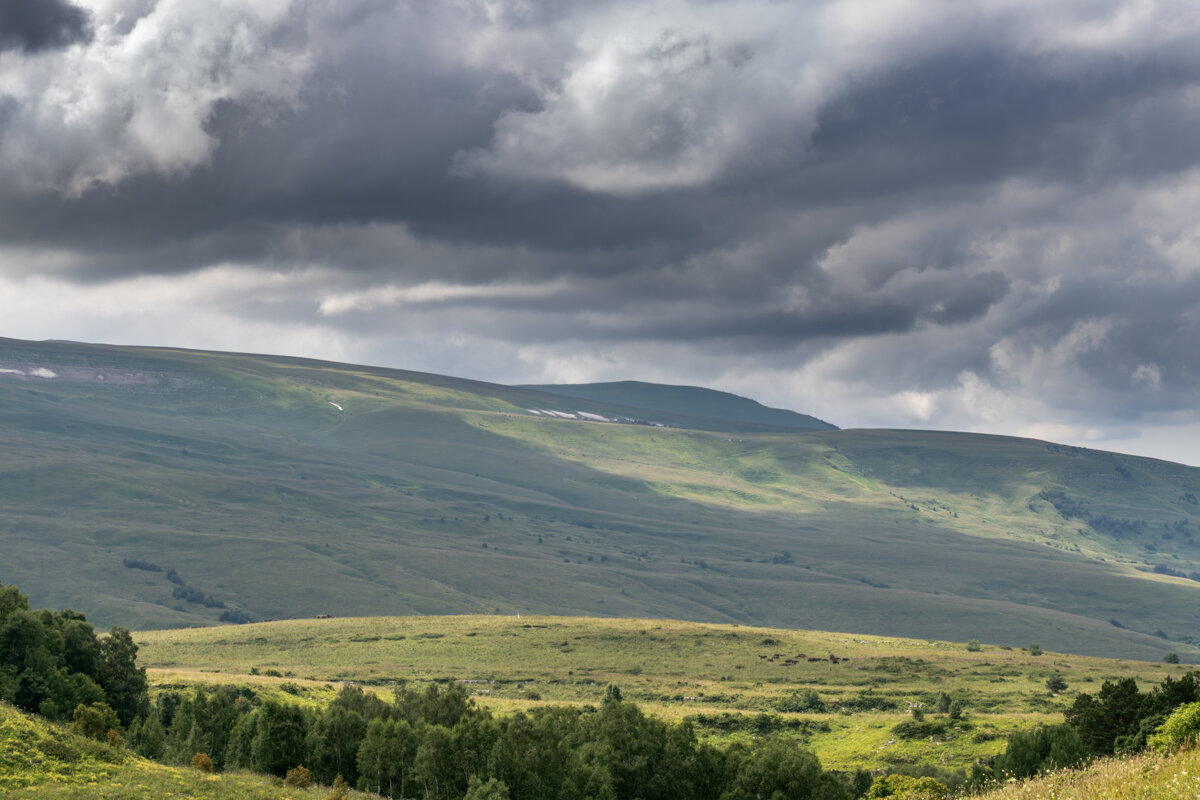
(36, 25)
(999, 195)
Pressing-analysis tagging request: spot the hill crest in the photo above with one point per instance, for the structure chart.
(710, 406)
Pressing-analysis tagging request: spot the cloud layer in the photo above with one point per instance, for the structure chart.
(909, 213)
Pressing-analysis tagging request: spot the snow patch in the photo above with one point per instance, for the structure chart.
(36, 372)
(335, 405)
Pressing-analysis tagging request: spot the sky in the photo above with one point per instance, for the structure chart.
(977, 216)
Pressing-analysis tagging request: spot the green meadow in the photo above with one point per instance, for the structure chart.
(727, 679)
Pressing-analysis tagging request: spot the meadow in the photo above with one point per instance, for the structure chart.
(731, 681)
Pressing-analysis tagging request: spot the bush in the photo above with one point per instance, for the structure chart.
(973, 646)
(1171, 658)
(340, 789)
(917, 729)
(298, 776)
(903, 787)
(1055, 683)
(808, 700)
(1182, 729)
(202, 762)
(95, 721)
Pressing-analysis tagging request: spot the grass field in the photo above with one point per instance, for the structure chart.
(721, 676)
(279, 488)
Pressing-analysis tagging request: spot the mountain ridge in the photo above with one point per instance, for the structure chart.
(282, 487)
(692, 401)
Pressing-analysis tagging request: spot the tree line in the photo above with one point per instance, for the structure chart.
(437, 744)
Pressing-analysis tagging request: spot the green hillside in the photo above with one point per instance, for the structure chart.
(41, 760)
(160, 488)
(705, 409)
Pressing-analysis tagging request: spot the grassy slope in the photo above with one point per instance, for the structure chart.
(1142, 777)
(715, 409)
(674, 669)
(40, 760)
(239, 473)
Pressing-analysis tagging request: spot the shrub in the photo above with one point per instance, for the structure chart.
(298, 776)
(1056, 684)
(1171, 658)
(202, 762)
(94, 721)
(973, 646)
(340, 789)
(808, 700)
(916, 729)
(1181, 729)
(903, 787)
(1035, 650)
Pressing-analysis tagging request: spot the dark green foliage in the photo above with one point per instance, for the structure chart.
(807, 700)
(1119, 719)
(437, 745)
(51, 663)
(492, 790)
(1055, 683)
(1049, 747)
(137, 563)
(920, 729)
(202, 724)
(779, 770)
(385, 756)
(1101, 719)
(124, 683)
(147, 737)
(94, 721)
(333, 743)
(279, 738)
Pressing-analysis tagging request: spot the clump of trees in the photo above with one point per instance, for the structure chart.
(1119, 719)
(437, 744)
(52, 663)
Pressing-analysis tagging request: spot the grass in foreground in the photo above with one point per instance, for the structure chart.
(41, 760)
(1144, 777)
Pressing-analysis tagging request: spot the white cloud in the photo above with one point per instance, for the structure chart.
(138, 100)
(434, 292)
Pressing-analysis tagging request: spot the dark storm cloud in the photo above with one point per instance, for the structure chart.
(34, 25)
(900, 198)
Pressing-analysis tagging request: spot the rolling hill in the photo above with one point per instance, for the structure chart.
(161, 488)
(691, 406)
